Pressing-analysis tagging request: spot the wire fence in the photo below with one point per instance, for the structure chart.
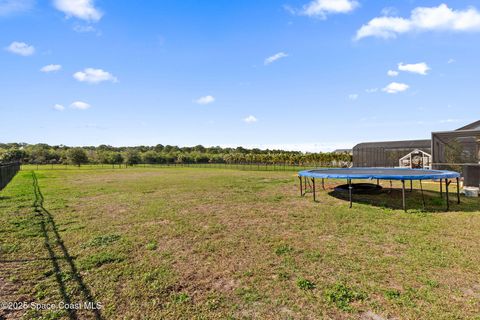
(234, 166)
(7, 172)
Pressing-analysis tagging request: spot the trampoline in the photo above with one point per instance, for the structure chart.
(397, 174)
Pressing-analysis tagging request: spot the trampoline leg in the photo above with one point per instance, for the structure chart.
(411, 186)
(313, 182)
(323, 184)
(446, 193)
(458, 190)
(305, 184)
(378, 182)
(403, 196)
(423, 197)
(391, 186)
(441, 188)
(301, 184)
(350, 191)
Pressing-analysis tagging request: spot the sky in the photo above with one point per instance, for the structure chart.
(308, 75)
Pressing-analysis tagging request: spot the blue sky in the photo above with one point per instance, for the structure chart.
(294, 74)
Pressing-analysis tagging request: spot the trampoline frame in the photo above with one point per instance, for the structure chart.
(441, 175)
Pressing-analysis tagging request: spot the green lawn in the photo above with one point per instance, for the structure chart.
(191, 243)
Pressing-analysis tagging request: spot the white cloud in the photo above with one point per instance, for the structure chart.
(289, 9)
(451, 60)
(250, 119)
(441, 18)
(389, 11)
(392, 73)
(395, 87)
(450, 121)
(82, 29)
(353, 96)
(80, 105)
(8, 7)
(321, 8)
(81, 9)
(205, 100)
(419, 68)
(91, 75)
(275, 57)
(58, 107)
(383, 27)
(21, 48)
(371, 90)
(51, 68)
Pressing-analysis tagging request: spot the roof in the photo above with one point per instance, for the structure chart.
(472, 126)
(414, 144)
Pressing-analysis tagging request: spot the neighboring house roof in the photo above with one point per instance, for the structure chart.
(414, 144)
(472, 126)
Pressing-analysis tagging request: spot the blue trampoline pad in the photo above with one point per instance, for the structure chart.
(379, 173)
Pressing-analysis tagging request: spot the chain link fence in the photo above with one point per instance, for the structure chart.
(7, 172)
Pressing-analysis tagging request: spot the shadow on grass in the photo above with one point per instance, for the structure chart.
(52, 241)
(4, 198)
(392, 199)
(29, 260)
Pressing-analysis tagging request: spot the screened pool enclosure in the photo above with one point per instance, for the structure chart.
(387, 154)
(459, 151)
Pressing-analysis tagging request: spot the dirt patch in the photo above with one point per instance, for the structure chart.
(225, 285)
(9, 294)
(369, 315)
(473, 292)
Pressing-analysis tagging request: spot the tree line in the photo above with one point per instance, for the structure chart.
(163, 154)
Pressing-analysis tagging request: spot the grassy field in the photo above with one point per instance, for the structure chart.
(184, 243)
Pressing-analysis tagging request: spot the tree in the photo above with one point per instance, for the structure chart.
(199, 148)
(150, 157)
(43, 153)
(159, 147)
(132, 157)
(116, 158)
(13, 155)
(103, 156)
(77, 156)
